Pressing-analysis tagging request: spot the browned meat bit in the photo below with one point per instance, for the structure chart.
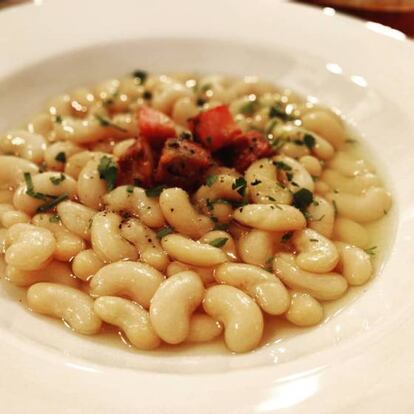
(244, 150)
(137, 164)
(182, 164)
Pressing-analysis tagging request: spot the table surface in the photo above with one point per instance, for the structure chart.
(403, 21)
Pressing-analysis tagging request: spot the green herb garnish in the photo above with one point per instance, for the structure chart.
(147, 95)
(30, 189)
(248, 108)
(282, 166)
(371, 250)
(57, 180)
(255, 182)
(219, 242)
(61, 157)
(221, 226)
(335, 207)
(108, 171)
(54, 219)
(130, 189)
(302, 199)
(240, 186)
(155, 191)
(140, 75)
(277, 111)
(165, 231)
(309, 140)
(211, 179)
(52, 203)
(286, 237)
(105, 122)
(58, 119)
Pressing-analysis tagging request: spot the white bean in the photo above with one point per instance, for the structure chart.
(270, 217)
(304, 310)
(355, 264)
(316, 253)
(64, 302)
(137, 281)
(181, 215)
(24, 144)
(12, 169)
(54, 272)
(268, 291)
(51, 183)
(68, 244)
(133, 319)
(203, 328)
(173, 304)
(85, 264)
(370, 206)
(30, 247)
(107, 240)
(191, 252)
(328, 286)
(77, 218)
(146, 242)
(241, 317)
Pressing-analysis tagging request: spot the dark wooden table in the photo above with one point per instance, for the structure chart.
(403, 20)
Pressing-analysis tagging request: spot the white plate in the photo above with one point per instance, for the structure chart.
(361, 359)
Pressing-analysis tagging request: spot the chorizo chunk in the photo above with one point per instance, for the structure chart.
(182, 164)
(136, 164)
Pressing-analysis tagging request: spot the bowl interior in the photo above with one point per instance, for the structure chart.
(365, 109)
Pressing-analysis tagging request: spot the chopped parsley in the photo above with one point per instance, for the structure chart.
(319, 219)
(335, 207)
(371, 250)
(255, 182)
(221, 226)
(105, 122)
(61, 157)
(282, 166)
(302, 199)
(351, 141)
(270, 126)
(309, 140)
(58, 119)
(147, 95)
(154, 191)
(314, 240)
(52, 203)
(211, 179)
(130, 189)
(277, 112)
(30, 189)
(165, 231)
(271, 199)
(140, 75)
(210, 203)
(286, 237)
(219, 242)
(54, 219)
(57, 180)
(108, 171)
(240, 186)
(249, 107)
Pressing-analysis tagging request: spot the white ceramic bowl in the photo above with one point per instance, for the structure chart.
(360, 360)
